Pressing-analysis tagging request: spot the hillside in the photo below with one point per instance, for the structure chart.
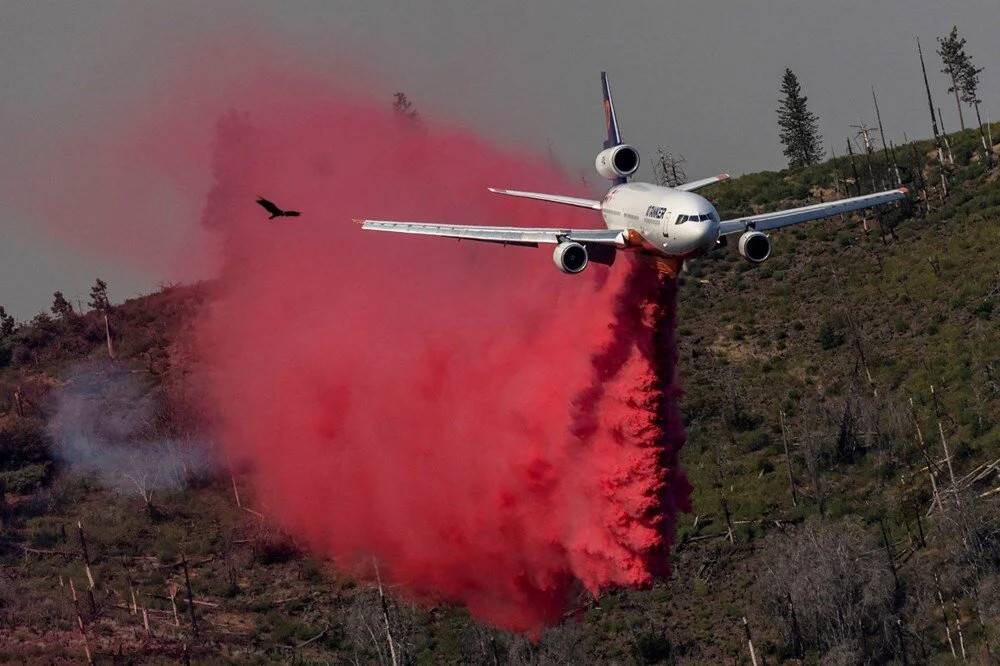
(819, 352)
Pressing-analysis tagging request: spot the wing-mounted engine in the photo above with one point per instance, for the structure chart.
(570, 257)
(617, 162)
(755, 246)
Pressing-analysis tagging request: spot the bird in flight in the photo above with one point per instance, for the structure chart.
(274, 210)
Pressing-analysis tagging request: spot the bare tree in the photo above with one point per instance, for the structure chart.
(669, 168)
(143, 478)
(835, 578)
(379, 628)
(403, 108)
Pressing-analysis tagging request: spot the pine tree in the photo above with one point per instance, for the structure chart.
(968, 84)
(799, 127)
(7, 324)
(99, 296)
(956, 63)
(61, 307)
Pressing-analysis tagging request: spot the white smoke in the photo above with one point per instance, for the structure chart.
(114, 425)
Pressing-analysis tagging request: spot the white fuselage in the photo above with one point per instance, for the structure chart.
(669, 222)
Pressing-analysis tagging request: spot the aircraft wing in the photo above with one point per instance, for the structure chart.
(704, 182)
(792, 216)
(553, 198)
(531, 236)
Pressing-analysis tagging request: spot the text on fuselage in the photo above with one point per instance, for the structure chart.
(656, 212)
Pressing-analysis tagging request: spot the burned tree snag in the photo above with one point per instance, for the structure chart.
(788, 459)
(79, 622)
(190, 596)
(934, 123)
(944, 616)
(927, 459)
(944, 445)
(86, 564)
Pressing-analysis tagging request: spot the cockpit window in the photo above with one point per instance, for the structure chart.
(681, 219)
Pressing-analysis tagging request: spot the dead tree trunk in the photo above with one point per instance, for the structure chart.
(920, 526)
(172, 590)
(857, 183)
(746, 631)
(232, 477)
(854, 168)
(982, 622)
(131, 590)
(918, 176)
(107, 333)
(86, 564)
(79, 622)
(927, 459)
(944, 137)
(988, 157)
(888, 554)
(788, 460)
(890, 158)
(885, 145)
(797, 648)
(729, 522)
(902, 641)
(836, 172)
(944, 445)
(934, 123)
(385, 617)
(989, 130)
(944, 616)
(145, 618)
(958, 628)
(190, 596)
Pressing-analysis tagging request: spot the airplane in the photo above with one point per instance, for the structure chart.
(667, 224)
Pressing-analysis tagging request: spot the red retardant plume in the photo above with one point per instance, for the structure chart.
(492, 432)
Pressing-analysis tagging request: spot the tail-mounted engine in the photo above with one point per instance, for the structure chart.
(617, 162)
(755, 246)
(570, 257)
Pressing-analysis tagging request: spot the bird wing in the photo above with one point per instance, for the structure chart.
(269, 207)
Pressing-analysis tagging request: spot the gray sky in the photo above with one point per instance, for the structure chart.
(699, 77)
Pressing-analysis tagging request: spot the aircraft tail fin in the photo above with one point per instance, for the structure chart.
(610, 119)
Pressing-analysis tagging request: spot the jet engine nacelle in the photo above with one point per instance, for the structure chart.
(570, 257)
(755, 246)
(617, 162)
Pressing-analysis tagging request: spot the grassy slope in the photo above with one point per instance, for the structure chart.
(919, 306)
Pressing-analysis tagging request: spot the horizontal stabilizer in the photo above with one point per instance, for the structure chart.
(704, 182)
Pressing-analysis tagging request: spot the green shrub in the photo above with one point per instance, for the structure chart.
(652, 648)
(25, 479)
(23, 442)
(829, 336)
